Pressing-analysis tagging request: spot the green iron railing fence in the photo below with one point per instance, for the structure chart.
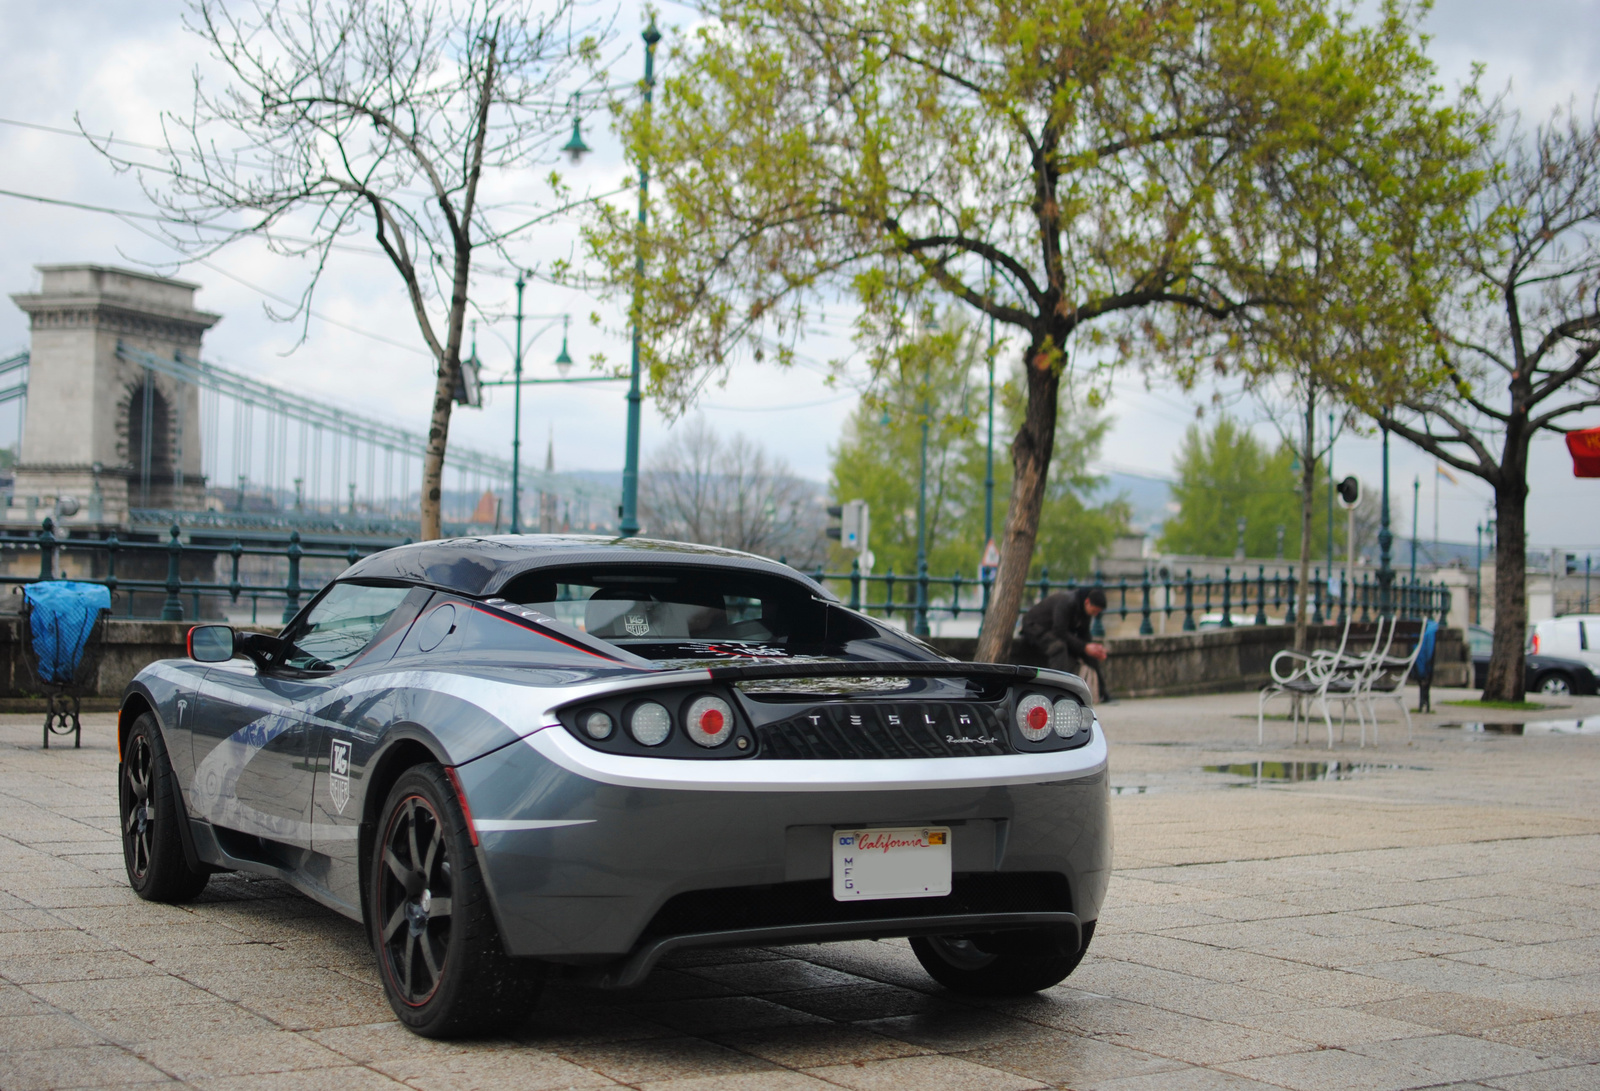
(104, 556)
(1245, 599)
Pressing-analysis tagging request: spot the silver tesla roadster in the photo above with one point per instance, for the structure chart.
(518, 756)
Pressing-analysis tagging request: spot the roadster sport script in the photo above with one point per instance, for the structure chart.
(899, 863)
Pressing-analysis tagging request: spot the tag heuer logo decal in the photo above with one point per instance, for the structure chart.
(339, 775)
(636, 624)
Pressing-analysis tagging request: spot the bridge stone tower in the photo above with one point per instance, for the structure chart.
(100, 428)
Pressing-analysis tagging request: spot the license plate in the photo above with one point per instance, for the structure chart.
(912, 862)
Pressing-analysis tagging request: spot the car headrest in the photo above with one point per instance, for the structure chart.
(612, 613)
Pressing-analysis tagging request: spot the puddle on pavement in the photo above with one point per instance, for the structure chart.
(1589, 726)
(1289, 772)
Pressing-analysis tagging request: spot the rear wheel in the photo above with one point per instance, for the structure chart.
(439, 955)
(152, 845)
(1556, 684)
(1002, 963)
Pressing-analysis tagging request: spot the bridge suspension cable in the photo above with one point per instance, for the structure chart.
(330, 444)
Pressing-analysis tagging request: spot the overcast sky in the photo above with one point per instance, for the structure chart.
(117, 65)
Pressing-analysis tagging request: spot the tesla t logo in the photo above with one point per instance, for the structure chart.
(339, 775)
(636, 624)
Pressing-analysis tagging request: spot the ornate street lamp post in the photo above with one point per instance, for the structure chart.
(1385, 538)
(516, 401)
(563, 364)
(628, 522)
(1477, 596)
(1330, 499)
(1416, 493)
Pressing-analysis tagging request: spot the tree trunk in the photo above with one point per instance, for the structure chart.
(1507, 677)
(1308, 486)
(1030, 461)
(433, 459)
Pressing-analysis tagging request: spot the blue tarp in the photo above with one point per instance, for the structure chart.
(61, 615)
(1424, 664)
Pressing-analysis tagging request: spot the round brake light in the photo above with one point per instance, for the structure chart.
(650, 724)
(1034, 716)
(710, 721)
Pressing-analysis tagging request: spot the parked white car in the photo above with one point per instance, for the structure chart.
(1576, 636)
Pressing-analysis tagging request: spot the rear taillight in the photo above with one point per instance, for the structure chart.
(1070, 717)
(650, 724)
(1034, 716)
(597, 725)
(709, 721)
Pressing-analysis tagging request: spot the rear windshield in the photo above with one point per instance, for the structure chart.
(679, 611)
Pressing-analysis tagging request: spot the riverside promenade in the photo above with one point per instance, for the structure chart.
(1416, 915)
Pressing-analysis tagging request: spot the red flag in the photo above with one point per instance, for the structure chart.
(1585, 447)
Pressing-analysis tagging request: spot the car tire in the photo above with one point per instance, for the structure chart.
(152, 843)
(1556, 684)
(446, 975)
(1001, 963)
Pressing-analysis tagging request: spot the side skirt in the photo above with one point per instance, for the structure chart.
(228, 850)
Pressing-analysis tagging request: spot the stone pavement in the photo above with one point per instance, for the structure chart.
(1418, 915)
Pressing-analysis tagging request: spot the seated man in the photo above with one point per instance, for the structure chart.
(1057, 630)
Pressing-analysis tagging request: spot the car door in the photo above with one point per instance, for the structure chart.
(257, 734)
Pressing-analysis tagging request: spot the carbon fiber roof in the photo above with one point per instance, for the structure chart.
(482, 566)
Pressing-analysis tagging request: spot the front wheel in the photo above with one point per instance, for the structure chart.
(1557, 685)
(1002, 963)
(443, 969)
(152, 845)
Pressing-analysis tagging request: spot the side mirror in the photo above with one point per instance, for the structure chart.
(211, 643)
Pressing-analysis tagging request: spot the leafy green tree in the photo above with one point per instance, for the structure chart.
(1516, 351)
(1226, 474)
(1058, 166)
(878, 458)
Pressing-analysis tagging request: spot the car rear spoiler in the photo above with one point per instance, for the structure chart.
(1006, 672)
(913, 668)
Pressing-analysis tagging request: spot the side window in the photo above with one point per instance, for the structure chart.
(342, 624)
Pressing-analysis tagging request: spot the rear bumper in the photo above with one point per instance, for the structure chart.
(596, 864)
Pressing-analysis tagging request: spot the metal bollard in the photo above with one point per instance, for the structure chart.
(234, 587)
(47, 550)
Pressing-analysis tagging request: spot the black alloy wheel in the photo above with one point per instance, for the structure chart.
(1002, 963)
(152, 845)
(440, 959)
(416, 904)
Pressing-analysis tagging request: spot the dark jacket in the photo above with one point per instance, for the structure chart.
(1059, 624)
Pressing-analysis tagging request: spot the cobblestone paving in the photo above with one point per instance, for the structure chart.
(1427, 917)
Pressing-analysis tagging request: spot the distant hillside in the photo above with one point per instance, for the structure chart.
(1146, 494)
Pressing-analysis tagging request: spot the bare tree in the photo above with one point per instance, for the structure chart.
(342, 117)
(1517, 353)
(731, 493)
